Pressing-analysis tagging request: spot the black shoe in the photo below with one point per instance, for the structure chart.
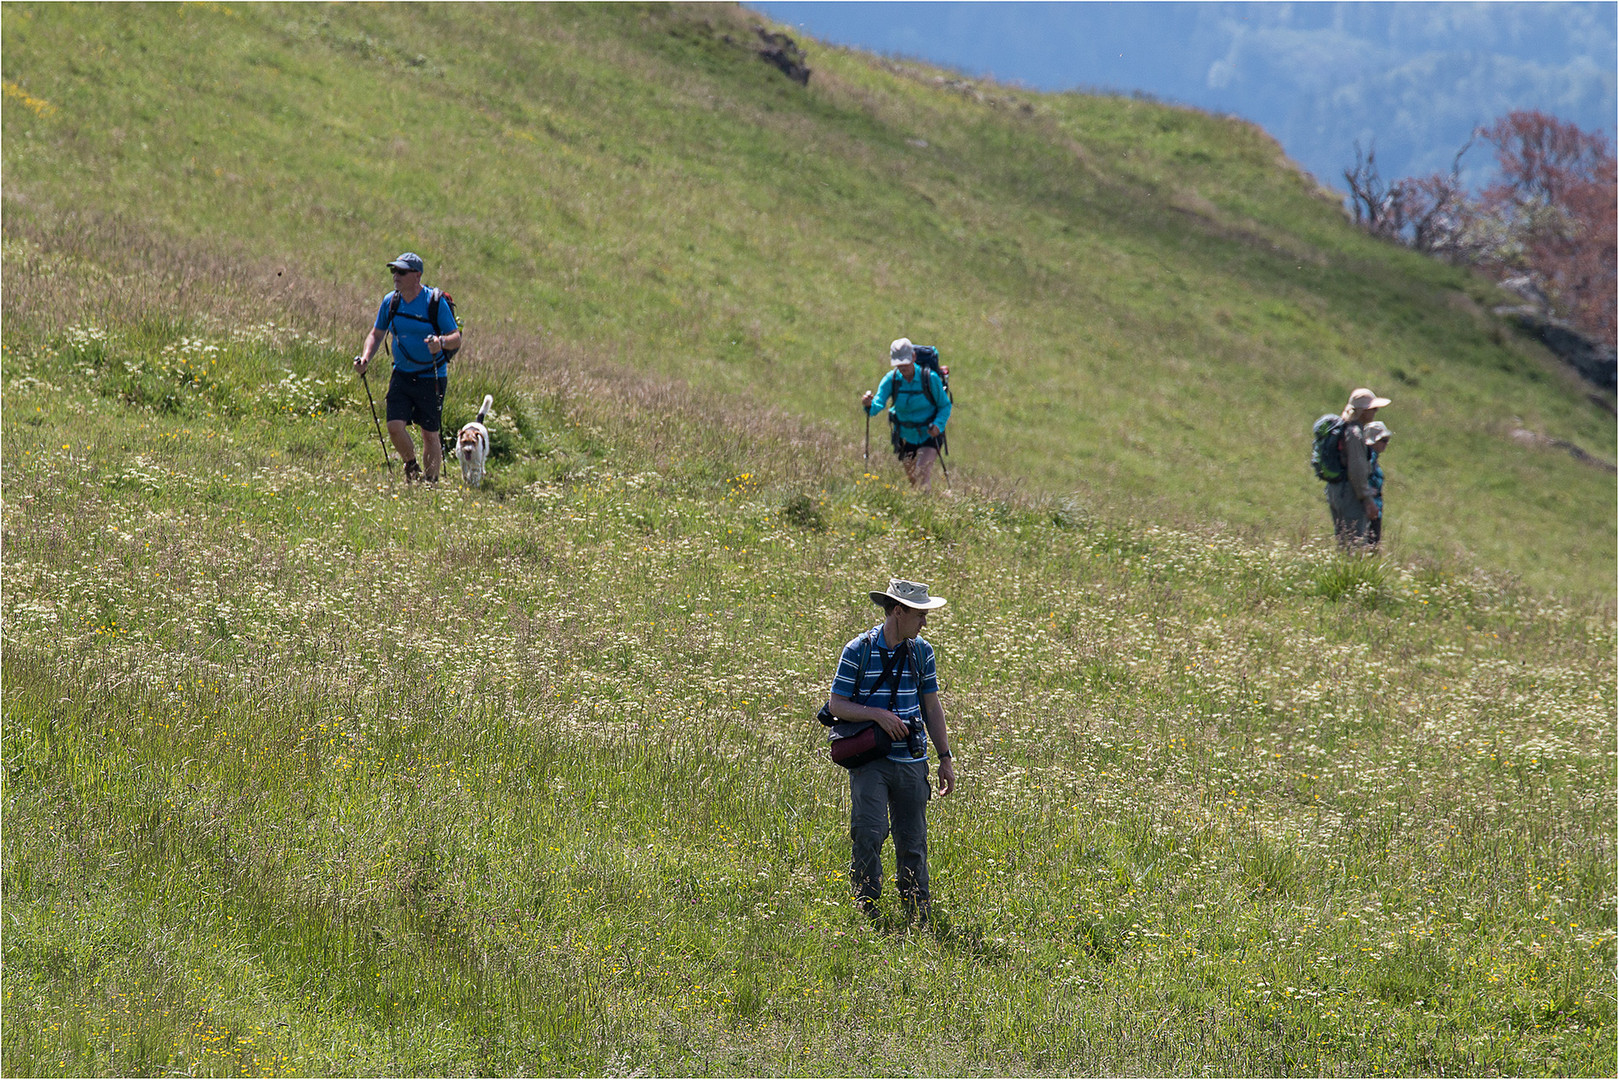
(413, 471)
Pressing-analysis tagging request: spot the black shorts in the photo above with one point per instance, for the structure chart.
(416, 400)
(907, 449)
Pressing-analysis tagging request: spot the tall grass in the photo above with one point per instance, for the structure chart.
(308, 773)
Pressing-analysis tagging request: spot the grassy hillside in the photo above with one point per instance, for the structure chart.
(307, 773)
(1142, 305)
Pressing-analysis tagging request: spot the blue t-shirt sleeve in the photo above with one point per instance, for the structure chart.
(843, 683)
(382, 313)
(930, 674)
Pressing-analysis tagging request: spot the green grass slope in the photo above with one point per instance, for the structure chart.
(307, 773)
(1143, 306)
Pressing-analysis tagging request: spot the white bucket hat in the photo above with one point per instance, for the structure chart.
(913, 594)
(1374, 431)
(901, 352)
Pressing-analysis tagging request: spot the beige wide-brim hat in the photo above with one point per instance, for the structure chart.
(913, 594)
(1363, 399)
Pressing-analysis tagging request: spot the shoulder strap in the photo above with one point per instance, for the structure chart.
(927, 391)
(866, 645)
(910, 661)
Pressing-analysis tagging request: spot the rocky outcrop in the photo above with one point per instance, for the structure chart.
(1594, 360)
(1535, 438)
(783, 52)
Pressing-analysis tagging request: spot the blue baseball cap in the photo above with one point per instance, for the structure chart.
(408, 261)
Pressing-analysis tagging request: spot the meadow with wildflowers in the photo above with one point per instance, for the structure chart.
(309, 773)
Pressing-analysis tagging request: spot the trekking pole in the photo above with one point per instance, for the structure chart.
(868, 434)
(386, 460)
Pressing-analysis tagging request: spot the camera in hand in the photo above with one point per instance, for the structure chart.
(916, 741)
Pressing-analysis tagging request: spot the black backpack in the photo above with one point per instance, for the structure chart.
(928, 356)
(433, 298)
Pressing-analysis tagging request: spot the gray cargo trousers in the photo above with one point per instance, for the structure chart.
(884, 793)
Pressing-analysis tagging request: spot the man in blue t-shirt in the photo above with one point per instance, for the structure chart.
(893, 790)
(421, 367)
(918, 410)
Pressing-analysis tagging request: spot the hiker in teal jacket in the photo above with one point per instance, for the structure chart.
(918, 409)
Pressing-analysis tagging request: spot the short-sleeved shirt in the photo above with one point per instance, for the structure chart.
(911, 406)
(410, 332)
(907, 700)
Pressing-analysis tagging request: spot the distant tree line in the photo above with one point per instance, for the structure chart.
(1544, 228)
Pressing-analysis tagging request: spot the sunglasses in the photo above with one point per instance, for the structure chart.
(398, 272)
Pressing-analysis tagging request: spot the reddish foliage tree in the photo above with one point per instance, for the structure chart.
(1548, 220)
(1558, 183)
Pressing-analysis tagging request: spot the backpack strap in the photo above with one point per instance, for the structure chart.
(434, 295)
(866, 645)
(927, 391)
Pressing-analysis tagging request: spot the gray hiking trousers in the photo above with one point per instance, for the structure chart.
(1350, 525)
(887, 793)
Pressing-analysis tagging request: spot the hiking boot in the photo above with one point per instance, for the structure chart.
(413, 471)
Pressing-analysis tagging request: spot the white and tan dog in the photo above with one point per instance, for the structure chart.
(472, 446)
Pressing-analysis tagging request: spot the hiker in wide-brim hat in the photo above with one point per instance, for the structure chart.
(887, 676)
(1351, 499)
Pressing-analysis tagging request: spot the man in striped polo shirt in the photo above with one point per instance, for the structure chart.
(897, 689)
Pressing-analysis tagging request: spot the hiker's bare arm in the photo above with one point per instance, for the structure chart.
(368, 350)
(440, 342)
(845, 709)
(933, 712)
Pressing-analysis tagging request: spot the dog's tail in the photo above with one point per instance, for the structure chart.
(483, 410)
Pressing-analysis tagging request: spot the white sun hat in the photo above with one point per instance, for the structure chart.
(913, 594)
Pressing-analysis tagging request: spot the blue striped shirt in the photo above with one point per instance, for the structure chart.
(907, 700)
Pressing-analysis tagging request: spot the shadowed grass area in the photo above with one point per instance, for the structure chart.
(1144, 307)
(308, 773)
